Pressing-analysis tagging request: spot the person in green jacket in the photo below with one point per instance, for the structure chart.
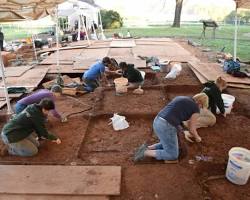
(21, 133)
(133, 75)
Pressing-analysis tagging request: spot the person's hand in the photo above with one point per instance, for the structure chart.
(64, 119)
(197, 138)
(224, 114)
(57, 141)
(109, 85)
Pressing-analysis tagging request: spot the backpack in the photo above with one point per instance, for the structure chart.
(231, 66)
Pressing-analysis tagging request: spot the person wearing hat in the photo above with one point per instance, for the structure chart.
(21, 133)
(93, 75)
(36, 97)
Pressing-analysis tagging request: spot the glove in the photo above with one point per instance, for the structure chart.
(57, 141)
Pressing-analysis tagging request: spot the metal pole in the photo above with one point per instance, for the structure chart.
(102, 34)
(34, 47)
(85, 29)
(5, 88)
(57, 42)
(235, 34)
(79, 24)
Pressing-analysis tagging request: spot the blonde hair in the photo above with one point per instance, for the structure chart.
(221, 83)
(202, 99)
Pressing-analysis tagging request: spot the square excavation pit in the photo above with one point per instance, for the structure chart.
(105, 146)
(71, 134)
(150, 102)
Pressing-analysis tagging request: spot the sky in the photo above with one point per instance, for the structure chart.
(157, 10)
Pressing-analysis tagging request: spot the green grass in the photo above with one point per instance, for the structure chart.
(224, 36)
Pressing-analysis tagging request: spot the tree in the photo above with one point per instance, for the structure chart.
(111, 19)
(177, 16)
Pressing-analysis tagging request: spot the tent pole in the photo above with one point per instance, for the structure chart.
(57, 42)
(34, 47)
(79, 25)
(102, 34)
(5, 87)
(85, 29)
(235, 34)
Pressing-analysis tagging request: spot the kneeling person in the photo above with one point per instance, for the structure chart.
(133, 75)
(19, 133)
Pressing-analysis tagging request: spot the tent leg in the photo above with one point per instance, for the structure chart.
(102, 34)
(57, 43)
(235, 35)
(85, 29)
(34, 47)
(5, 87)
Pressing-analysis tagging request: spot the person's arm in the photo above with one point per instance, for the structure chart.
(192, 127)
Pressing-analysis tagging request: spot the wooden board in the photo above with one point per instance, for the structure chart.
(30, 78)
(60, 180)
(63, 69)
(201, 78)
(213, 70)
(15, 71)
(2, 94)
(122, 43)
(49, 197)
(2, 103)
(137, 62)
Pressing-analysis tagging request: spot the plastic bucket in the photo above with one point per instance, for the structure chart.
(228, 103)
(121, 85)
(238, 167)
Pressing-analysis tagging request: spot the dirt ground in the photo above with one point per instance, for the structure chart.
(89, 139)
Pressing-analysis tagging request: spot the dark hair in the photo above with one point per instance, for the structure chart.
(106, 61)
(123, 65)
(47, 104)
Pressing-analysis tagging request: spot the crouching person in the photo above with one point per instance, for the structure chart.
(166, 125)
(134, 76)
(21, 133)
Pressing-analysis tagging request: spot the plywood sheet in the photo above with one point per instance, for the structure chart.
(212, 70)
(30, 78)
(60, 180)
(63, 69)
(15, 71)
(49, 197)
(122, 43)
(137, 62)
(201, 78)
(2, 103)
(127, 52)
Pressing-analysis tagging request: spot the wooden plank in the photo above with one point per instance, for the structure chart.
(63, 69)
(201, 78)
(2, 103)
(30, 78)
(213, 70)
(2, 94)
(60, 180)
(15, 71)
(237, 85)
(122, 43)
(137, 62)
(49, 197)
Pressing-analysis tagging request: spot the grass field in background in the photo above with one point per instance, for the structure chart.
(224, 35)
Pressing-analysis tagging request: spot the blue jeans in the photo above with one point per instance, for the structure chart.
(91, 85)
(19, 107)
(168, 148)
(26, 147)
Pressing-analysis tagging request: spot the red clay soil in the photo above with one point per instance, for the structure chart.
(88, 139)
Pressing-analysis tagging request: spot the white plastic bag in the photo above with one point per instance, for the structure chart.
(119, 122)
(174, 72)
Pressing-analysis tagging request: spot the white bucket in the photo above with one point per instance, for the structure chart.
(121, 85)
(238, 167)
(228, 103)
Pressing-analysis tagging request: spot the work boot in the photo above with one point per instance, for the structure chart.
(139, 154)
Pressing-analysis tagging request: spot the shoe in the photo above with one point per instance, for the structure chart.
(171, 161)
(139, 154)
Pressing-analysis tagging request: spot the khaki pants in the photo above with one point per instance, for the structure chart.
(206, 118)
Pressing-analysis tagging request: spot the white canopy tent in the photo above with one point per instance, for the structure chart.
(20, 10)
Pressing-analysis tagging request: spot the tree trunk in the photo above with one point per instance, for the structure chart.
(177, 16)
